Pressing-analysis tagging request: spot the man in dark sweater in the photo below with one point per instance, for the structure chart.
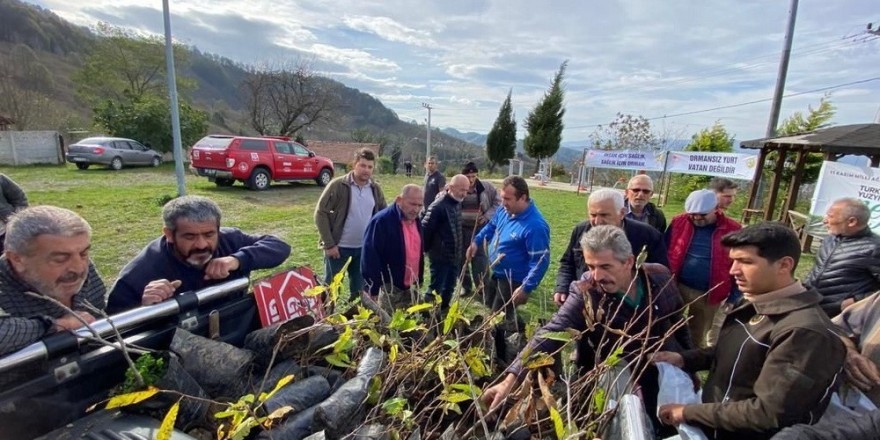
(638, 203)
(194, 252)
(434, 181)
(442, 238)
(605, 207)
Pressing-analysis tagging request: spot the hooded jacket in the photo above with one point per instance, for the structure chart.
(846, 267)
(775, 365)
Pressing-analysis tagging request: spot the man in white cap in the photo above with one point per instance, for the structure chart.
(699, 261)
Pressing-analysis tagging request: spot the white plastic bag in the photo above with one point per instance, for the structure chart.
(677, 387)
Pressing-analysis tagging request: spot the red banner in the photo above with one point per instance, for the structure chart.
(280, 297)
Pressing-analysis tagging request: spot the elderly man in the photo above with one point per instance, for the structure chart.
(725, 191)
(341, 215)
(606, 207)
(442, 238)
(392, 260)
(518, 240)
(848, 263)
(636, 308)
(777, 356)
(477, 208)
(638, 202)
(699, 261)
(47, 257)
(193, 252)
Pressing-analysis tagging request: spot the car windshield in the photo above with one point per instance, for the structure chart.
(214, 143)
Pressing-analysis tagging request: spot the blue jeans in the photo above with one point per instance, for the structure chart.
(332, 266)
(443, 276)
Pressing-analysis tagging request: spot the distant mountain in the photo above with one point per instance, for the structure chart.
(472, 137)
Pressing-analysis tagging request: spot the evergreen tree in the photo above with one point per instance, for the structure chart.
(816, 119)
(501, 142)
(544, 123)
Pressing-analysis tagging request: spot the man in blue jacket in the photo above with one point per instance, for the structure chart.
(193, 252)
(518, 240)
(392, 261)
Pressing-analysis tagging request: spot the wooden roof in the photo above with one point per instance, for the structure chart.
(861, 139)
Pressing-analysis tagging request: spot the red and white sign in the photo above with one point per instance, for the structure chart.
(280, 297)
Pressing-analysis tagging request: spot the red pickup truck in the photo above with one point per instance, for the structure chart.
(257, 161)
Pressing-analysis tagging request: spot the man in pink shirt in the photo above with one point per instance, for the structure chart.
(392, 261)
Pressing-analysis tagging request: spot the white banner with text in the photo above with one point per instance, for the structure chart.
(626, 159)
(837, 180)
(729, 165)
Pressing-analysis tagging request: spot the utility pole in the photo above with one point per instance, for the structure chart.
(780, 88)
(172, 96)
(428, 138)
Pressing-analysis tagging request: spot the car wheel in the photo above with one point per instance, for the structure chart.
(324, 177)
(82, 166)
(259, 180)
(156, 161)
(116, 164)
(224, 182)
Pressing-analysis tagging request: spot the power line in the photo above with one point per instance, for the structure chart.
(742, 104)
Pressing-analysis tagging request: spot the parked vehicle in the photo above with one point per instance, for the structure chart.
(257, 161)
(113, 152)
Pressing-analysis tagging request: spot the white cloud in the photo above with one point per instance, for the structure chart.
(389, 29)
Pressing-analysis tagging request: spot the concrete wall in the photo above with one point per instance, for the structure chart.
(30, 147)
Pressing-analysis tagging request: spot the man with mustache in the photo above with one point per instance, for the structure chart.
(193, 252)
(47, 254)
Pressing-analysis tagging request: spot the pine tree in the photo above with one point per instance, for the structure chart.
(544, 123)
(501, 142)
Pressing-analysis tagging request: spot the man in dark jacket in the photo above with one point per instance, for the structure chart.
(638, 202)
(778, 355)
(477, 208)
(699, 261)
(392, 260)
(442, 239)
(193, 252)
(605, 207)
(848, 263)
(434, 181)
(623, 299)
(12, 199)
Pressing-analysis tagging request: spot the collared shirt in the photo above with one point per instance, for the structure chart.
(412, 243)
(25, 319)
(360, 210)
(633, 215)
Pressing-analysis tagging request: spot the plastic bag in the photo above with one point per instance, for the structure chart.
(848, 401)
(677, 387)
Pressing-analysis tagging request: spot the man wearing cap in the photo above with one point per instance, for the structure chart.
(638, 203)
(477, 208)
(699, 261)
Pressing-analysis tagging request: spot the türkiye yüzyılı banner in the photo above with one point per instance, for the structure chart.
(837, 180)
(729, 165)
(626, 159)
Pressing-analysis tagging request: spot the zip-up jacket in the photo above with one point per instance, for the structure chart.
(776, 364)
(572, 265)
(332, 209)
(441, 231)
(383, 258)
(678, 240)
(524, 240)
(846, 267)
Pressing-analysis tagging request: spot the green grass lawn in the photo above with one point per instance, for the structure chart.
(124, 208)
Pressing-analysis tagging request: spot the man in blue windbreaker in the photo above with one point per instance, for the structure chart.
(518, 242)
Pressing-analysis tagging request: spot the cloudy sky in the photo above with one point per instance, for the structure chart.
(659, 59)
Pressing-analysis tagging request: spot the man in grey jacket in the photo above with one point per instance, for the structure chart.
(477, 208)
(848, 263)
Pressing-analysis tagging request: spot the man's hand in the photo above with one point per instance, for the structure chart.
(332, 252)
(471, 251)
(495, 395)
(520, 296)
(71, 322)
(219, 268)
(158, 291)
(559, 298)
(846, 303)
(861, 371)
(669, 357)
(672, 414)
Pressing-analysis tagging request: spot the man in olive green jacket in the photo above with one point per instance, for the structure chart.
(778, 356)
(342, 214)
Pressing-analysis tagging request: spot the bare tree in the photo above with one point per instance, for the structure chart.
(283, 99)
